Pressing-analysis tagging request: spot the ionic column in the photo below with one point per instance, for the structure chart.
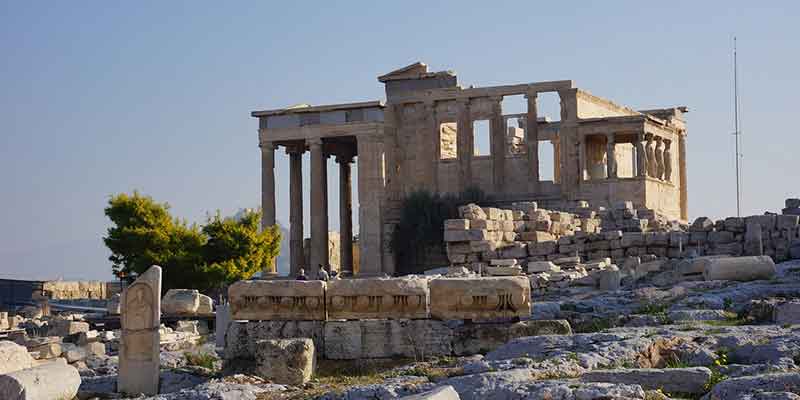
(345, 215)
(497, 134)
(667, 160)
(268, 195)
(296, 259)
(641, 156)
(611, 158)
(651, 156)
(659, 157)
(532, 140)
(319, 208)
(465, 144)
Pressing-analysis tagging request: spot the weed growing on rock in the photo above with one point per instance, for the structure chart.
(204, 360)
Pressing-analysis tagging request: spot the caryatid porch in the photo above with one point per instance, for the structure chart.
(346, 132)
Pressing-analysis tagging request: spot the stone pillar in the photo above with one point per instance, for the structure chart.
(296, 259)
(497, 140)
(659, 151)
(582, 162)
(682, 177)
(556, 159)
(532, 140)
(465, 144)
(651, 155)
(345, 215)
(371, 184)
(641, 156)
(319, 209)
(611, 157)
(268, 196)
(140, 318)
(667, 160)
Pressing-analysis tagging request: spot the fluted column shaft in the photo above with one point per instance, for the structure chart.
(296, 258)
(319, 209)
(345, 214)
(268, 195)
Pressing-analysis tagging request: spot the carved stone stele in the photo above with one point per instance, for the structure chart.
(139, 351)
(277, 300)
(395, 298)
(480, 298)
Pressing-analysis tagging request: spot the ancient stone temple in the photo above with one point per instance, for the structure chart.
(139, 353)
(424, 136)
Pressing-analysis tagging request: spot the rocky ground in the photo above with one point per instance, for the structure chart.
(690, 340)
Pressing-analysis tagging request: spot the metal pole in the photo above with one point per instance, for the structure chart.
(736, 132)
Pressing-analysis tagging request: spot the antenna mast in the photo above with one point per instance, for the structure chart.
(736, 132)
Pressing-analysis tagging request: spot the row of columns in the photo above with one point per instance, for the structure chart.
(654, 157)
(319, 205)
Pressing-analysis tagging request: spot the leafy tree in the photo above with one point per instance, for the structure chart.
(145, 234)
(421, 226)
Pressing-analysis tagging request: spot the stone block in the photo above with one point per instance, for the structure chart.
(112, 306)
(97, 349)
(631, 239)
(698, 238)
(352, 340)
(767, 222)
(657, 239)
(63, 327)
(787, 313)
(734, 224)
(206, 305)
(477, 246)
(394, 298)
(536, 236)
(480, 298)
(13, 357)
(609, 278)
(792, 203)
(465, 235)
(738, 268)
(702, 224)
(515, 250)
(241, 336)
(180, 302)
(49, 381)
(504, 270)
(286, 361)
(278, 300)
(541, 248)
(786, 221)
(456, 224)
(471, 212)
(542, 266)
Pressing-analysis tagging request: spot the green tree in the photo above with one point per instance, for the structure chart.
(145, 234)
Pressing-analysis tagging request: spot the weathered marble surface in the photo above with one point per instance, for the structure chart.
(139, 351)
(278, 300)
(480, 298)
(286, 361)
(396, 298)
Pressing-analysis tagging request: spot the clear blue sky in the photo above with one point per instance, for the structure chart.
(103, 97)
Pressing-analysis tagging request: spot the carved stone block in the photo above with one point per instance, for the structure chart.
(139, 352)
(398, 298)
(278, 300)
(480, 298)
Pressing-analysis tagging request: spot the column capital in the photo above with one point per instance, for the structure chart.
(295, 148)
(667, 142)
(611, 137)
(314, 142)
(659, 139)
(344, 158)
(266, 146)
(531, 95)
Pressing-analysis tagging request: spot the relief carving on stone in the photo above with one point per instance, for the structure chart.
(139, 323)
(278, 300)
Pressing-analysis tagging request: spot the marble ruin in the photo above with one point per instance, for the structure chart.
(277, 300)
(139, 361)
(423, 137)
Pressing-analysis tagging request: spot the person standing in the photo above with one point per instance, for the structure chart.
(323, 274)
